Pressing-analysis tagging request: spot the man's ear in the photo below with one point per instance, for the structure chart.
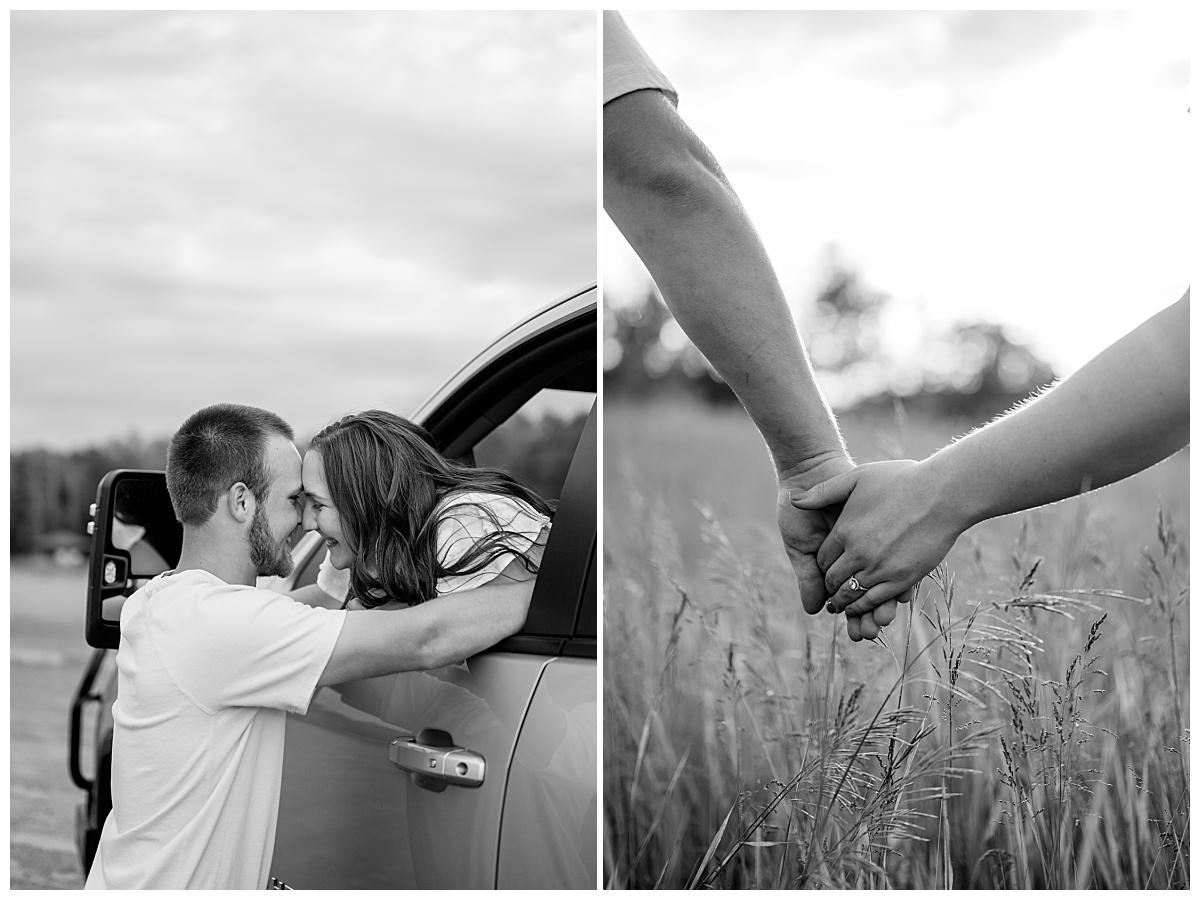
(241, 503)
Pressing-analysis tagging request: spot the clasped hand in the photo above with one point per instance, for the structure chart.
(883, 524)
(805, 531)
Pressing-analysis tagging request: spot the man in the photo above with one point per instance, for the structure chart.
(209, 665)
(667, 194)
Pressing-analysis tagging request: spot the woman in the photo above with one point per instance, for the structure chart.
(403, 524)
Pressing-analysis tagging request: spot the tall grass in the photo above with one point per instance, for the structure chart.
(1023, 725)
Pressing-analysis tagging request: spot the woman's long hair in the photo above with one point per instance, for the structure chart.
(387, 480)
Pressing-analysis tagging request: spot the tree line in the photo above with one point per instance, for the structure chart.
(972, 369)
(50, 491)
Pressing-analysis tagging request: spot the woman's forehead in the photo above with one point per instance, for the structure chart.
(313, 473)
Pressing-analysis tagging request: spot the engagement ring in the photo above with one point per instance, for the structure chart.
(853, 584)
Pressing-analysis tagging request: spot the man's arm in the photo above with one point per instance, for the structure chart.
(435, 633)
(671, 201)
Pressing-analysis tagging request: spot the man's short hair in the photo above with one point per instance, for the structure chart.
(215, 449)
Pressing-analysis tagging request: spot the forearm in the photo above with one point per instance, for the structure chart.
(435, 633)
(476, 624)
(1122, 412)
(669, 198)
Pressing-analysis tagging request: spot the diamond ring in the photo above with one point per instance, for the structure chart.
(853, 584)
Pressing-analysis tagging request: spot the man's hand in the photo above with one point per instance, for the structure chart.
(892, 529)
(804, 531)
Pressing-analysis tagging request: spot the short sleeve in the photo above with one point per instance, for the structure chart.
(241, 646)
(465, 523)
(334, 582)
(627, 67)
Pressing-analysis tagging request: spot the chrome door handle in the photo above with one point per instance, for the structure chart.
(435, 761)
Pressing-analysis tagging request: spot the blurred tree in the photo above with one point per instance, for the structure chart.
(845, 330)
(976, 370)
(50, 491)
(538, 451)
(646, 353)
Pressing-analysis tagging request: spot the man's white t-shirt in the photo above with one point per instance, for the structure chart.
(627, 67)
(206, 673)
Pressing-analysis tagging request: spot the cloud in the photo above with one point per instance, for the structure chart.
(905, 44)
(190, 180)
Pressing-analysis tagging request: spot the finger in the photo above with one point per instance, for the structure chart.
(884, 614)
(837, 581)
(866, 624)
(885, 590)
(827, 554)
(811, 582)
(836, 490)
(860, 603)
(854, 628)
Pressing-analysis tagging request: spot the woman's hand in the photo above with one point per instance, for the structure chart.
(894, 528)
(804, 530)
(312, 595)
(355, 603)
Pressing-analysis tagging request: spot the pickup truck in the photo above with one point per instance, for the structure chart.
(477, 775)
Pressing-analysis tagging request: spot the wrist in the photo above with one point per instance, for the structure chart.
(808, 440)
(815, 468)
(953, 490)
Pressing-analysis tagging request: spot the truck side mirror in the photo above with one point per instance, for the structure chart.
(134, 537)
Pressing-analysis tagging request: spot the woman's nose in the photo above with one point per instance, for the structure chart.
(309, 518)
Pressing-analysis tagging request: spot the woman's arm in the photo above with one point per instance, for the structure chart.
(311, 595)
(1125, 410)
(1122, 412)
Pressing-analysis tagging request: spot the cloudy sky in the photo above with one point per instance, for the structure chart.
(311, 212)
(1027, 168)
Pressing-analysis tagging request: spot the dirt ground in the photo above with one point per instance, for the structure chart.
(47, 658)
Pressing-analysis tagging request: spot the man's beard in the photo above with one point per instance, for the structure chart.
(267, 557)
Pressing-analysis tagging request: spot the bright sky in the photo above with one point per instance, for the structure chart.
(1025, 168)
(310, 212)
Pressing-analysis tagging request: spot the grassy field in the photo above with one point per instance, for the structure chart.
(1025, 725)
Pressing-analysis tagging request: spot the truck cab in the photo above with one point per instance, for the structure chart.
(476, 775)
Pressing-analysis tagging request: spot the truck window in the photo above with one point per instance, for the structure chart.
(537, 442)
